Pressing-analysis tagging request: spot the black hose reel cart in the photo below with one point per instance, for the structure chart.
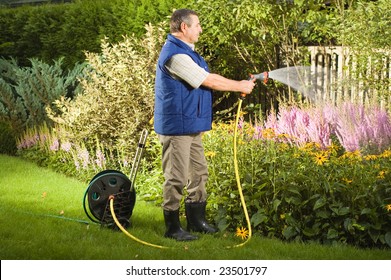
(113, 183)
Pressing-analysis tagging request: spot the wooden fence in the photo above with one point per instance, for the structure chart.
(338, 75)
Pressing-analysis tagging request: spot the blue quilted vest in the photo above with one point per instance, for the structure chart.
(179, 108)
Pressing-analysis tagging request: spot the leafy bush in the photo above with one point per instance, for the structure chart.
(118, 94)
(25, 92)
(7, 139)
(305, 192)
(48, 32)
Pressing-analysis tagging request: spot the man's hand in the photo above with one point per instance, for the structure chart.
(247, 86)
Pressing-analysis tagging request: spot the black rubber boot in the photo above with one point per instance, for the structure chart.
(174, 229)
(195, 214)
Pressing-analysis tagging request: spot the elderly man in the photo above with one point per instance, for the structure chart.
(183, 110)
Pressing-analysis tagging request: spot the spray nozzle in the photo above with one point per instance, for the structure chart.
(264, 77)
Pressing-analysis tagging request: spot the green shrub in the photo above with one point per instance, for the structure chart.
(118, 93)
(7, 139)
(51, 31)
(303, 194)
(26, 92)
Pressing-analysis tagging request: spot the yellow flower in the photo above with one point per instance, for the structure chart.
(356, 155)
(250, 130)
(320, 158)
(210, 154)
(308, 147)
(347, 181)
(333, 148)
(388, 207)
(283, 147)
(381, 174)
(242, 232)
(386, 154)
(268, 133)
(296, 155)
(284, 136)
(315, 145)
(370, 157)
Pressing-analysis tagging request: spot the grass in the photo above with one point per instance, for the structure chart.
(41, 217)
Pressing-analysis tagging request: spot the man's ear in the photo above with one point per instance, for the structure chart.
(183, 26)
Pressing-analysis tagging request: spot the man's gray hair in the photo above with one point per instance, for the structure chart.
(179, 16)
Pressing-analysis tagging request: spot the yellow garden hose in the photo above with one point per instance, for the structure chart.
(238, 177)
(111, 198)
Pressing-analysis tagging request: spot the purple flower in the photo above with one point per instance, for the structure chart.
(66, 146)
(77, 164)
(100, 159)
(355, 126)
(55, 145)
(84, 156)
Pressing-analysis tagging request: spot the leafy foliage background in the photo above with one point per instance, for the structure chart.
(51, 31)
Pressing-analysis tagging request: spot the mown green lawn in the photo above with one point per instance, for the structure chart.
(42, 218)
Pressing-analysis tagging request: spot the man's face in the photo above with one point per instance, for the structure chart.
(193, 31)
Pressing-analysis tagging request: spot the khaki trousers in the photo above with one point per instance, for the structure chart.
(184, 167)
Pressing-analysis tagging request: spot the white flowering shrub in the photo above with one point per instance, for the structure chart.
(118, 92)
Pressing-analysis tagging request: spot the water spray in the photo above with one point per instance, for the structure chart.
(300, 78)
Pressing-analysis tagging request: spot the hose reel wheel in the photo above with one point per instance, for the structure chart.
(104, 185)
